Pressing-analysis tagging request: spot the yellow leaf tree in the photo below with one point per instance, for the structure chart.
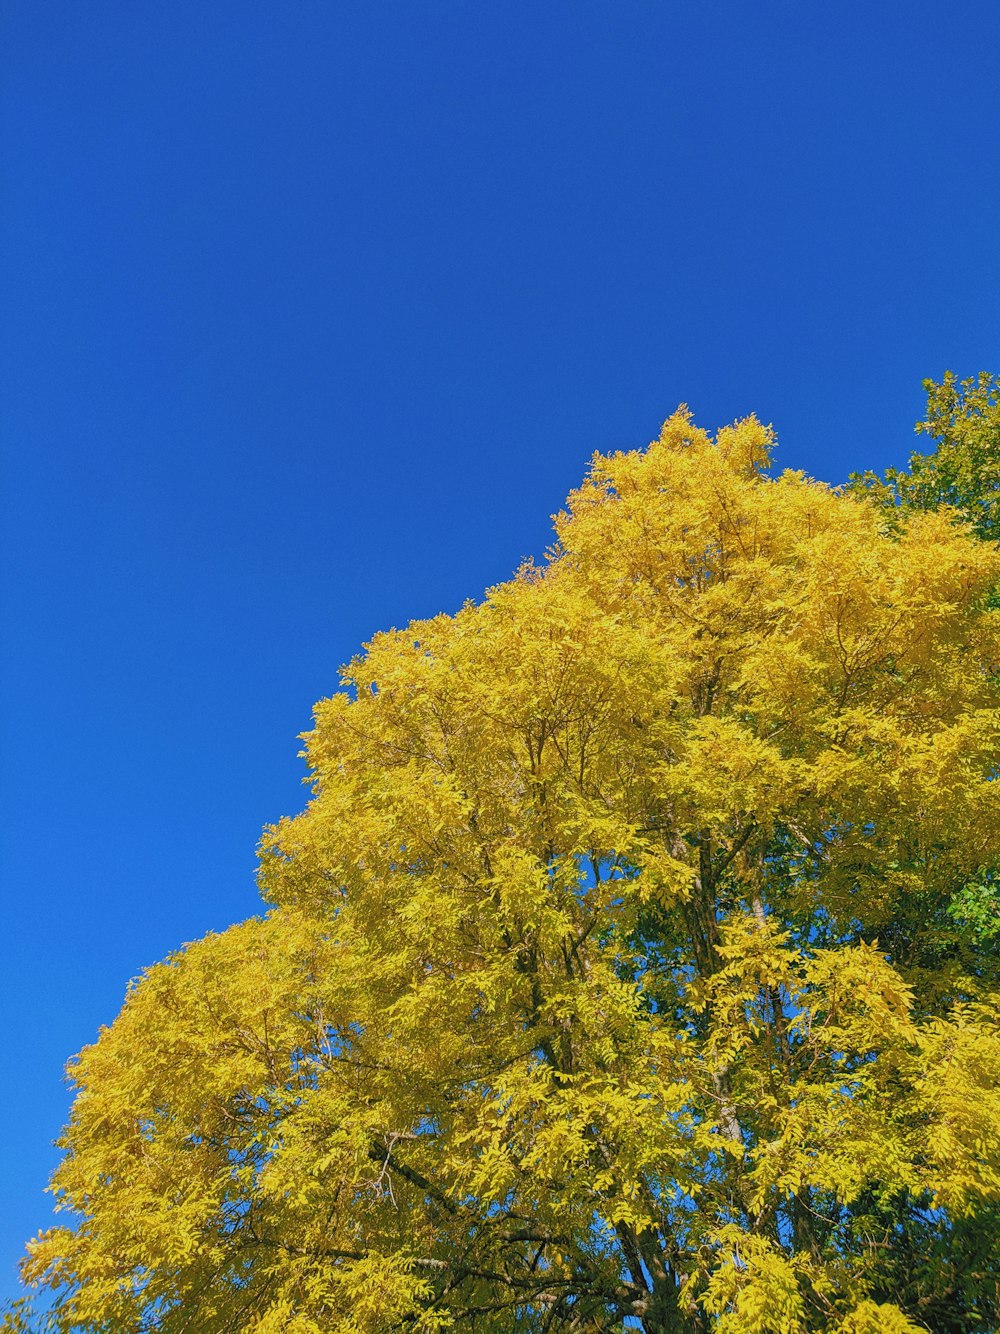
(613, 976)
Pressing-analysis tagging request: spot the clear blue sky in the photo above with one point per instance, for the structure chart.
(312, 314)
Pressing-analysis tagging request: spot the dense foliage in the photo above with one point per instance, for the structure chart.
(963, 470)
(634, 964)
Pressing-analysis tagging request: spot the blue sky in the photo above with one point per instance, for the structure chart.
(313, 313)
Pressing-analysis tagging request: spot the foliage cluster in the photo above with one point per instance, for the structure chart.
(634, 964)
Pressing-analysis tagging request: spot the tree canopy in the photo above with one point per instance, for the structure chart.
(631, 966)
(963, 471)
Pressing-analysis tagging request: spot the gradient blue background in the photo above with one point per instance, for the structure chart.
(312, 314)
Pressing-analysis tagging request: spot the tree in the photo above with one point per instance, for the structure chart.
(963, 472)
(612, 977)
